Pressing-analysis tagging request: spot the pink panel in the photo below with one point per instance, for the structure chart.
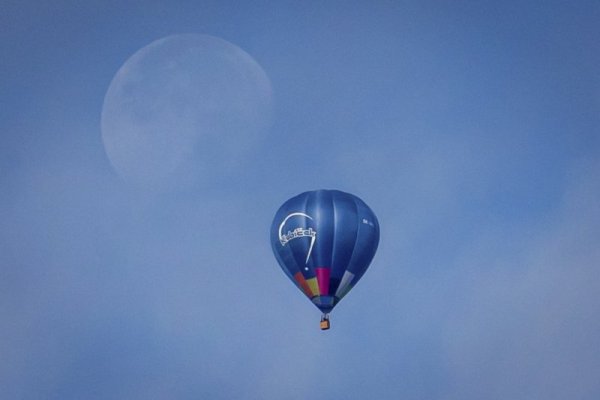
(323, 279)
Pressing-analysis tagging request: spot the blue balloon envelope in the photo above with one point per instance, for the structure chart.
(324, 241)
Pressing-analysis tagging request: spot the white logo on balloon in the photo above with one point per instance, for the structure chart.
(297, 233)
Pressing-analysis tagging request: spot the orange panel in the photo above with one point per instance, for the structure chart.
(303, 284)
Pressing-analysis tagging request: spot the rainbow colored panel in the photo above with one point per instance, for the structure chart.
(299, 278)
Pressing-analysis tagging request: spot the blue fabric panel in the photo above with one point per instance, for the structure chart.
(345, 218)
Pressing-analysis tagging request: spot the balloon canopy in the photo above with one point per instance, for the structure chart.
(324, 241)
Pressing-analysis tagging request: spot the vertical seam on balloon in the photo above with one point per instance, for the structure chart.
(318, 196)
(333, 253)
(305, 211)
(350, 262)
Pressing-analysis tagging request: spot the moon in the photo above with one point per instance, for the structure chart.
(184, 109)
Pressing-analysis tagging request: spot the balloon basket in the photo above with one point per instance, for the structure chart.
(325, 323)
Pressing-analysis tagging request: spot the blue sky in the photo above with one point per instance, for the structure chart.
(471, 129)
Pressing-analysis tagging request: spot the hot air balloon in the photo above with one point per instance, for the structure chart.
(324, 241)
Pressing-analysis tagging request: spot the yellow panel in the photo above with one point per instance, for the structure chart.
(314, 286)
(302, 283)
